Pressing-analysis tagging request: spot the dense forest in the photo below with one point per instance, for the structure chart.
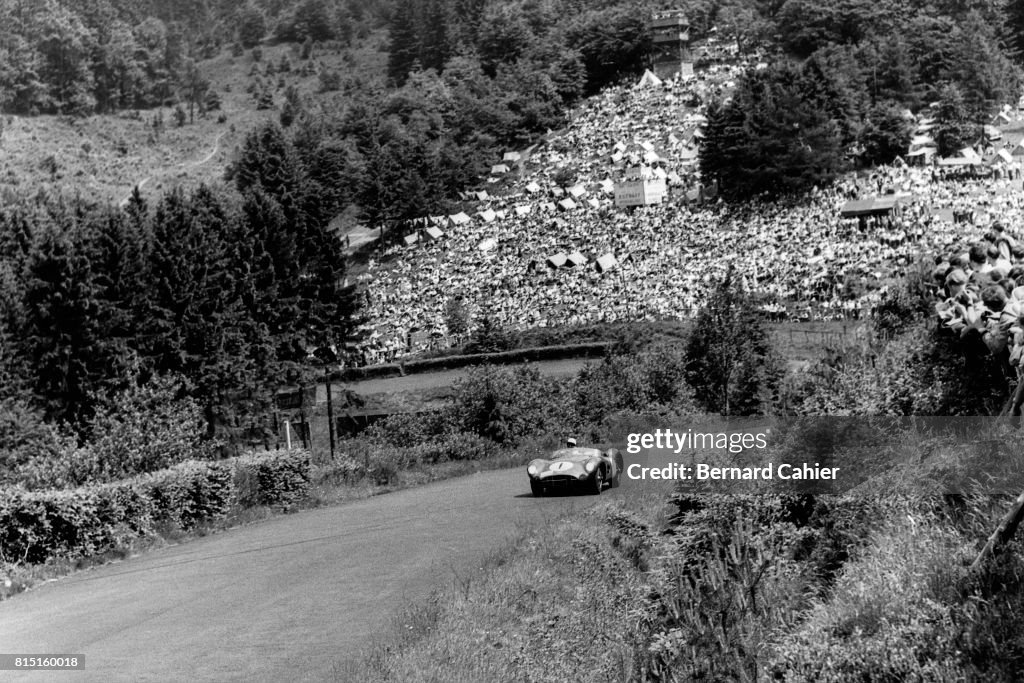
(849, 72)
(96, 56)
(223, 294)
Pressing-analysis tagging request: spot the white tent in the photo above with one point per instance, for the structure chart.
(523, 209)
(499, 169)
(594, 203)
(434, 233)
(482, 195)
(459, 218)
(511, 156)
(649, 80)
(971, 156)
(567, 204)
(651, 157)
(557, 192)
(533, 187)
(500, 214)
(487, 215)
(557, 261)
(411, 239)
(606, 263)
(576, 259)
(548, 206)
(576, 191)
(648, 146)
(607, 185)
(1003, 155)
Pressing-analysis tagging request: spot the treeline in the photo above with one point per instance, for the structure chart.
(98, 56)
(589, 44)
(228, 294)
(382, 154)
(849, 71)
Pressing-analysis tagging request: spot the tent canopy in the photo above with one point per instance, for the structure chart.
(557, 260)
(434, 233)
(606, 263)
(576, 259)
(649, 80)
(873, 206)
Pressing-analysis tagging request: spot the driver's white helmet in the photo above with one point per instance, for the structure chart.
(570, 442)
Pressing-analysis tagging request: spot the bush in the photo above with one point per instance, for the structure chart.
(25, 437)
(506, 405)
(276, 478)
(37, 526)
(190, 492)
(148, 428)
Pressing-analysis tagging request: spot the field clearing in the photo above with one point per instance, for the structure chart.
(104, 157)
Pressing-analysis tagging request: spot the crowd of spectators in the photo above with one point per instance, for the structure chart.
(981, 291)
(799, 257)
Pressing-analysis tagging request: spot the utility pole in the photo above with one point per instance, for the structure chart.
(330, 408)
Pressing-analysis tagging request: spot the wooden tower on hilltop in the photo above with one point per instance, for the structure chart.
(670, 35)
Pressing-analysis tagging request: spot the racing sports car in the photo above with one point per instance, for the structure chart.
(575, 468)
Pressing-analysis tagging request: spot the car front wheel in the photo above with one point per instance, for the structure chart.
(598, 482)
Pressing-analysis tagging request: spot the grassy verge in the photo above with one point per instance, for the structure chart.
(568, 599)
(861, 588)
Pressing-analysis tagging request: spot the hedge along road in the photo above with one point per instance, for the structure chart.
(288, 599)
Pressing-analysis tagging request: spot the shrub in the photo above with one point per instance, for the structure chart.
(615, 384)
(148, 428)
(37, 526)
(276, 478)
(506, 405)
(25, 437)
(190, 492)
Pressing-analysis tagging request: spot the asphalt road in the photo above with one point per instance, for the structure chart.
(283, 600)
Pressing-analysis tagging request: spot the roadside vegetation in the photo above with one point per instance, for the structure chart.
(872, 584)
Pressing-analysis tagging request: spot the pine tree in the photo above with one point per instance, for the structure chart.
(62, 336)
(730, 362)
(404, 40)
(953, 127)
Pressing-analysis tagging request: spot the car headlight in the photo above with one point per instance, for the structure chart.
(590, 466)
(531, 470)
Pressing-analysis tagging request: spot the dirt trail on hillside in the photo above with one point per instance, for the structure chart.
(181, 166)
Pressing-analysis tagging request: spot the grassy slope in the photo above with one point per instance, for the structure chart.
(104, 157)
(566, 601)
